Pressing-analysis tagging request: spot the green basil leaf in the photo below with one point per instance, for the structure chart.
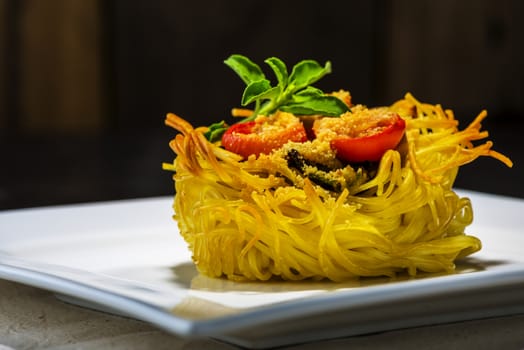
(305, 94)
(215, 132)
(293, 93)
(258, 90)
(306, 73)
(246, 69)
(310, 91)
(329, 106)
(280, 70)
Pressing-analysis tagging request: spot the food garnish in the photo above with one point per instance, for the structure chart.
(293, 93)
(309, 185)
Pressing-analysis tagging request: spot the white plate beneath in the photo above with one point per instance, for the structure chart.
(127, 257)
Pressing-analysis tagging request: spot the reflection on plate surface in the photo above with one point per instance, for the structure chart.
(127, 257)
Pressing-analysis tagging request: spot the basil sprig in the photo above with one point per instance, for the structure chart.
(293, 92)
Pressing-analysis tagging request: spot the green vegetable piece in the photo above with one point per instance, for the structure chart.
(293, 93)
(258, 90)
(280, 70)
(306, 73)
(306, 94)
(324, 105)
(246, 69)
(215, 132)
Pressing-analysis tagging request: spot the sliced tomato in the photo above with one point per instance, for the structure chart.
(263, 135)
(382, 132)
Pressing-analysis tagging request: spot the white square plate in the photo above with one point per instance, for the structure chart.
(127, 257)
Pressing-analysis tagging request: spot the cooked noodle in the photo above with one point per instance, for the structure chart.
(243, 219)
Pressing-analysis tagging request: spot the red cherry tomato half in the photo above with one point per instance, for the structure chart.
(262, 136)
(371, 147)
(370, 144)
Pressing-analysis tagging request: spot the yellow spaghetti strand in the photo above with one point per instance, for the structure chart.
(258, 219)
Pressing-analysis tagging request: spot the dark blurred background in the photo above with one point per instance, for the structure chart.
(85, 84)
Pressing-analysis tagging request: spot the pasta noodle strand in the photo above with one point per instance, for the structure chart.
(244, 220)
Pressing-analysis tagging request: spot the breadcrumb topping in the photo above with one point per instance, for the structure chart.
(360, 122)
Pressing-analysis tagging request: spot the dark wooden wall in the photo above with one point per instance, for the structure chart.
(85, 84)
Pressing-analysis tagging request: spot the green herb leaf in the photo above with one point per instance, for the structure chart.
(215, 131)
(324, 105)
(293, 93)
(280, 70)
(257, 90)
(308, 92)
(246, 69)
(306, 73)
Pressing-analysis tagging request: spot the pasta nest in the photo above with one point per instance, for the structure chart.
(244, 220)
